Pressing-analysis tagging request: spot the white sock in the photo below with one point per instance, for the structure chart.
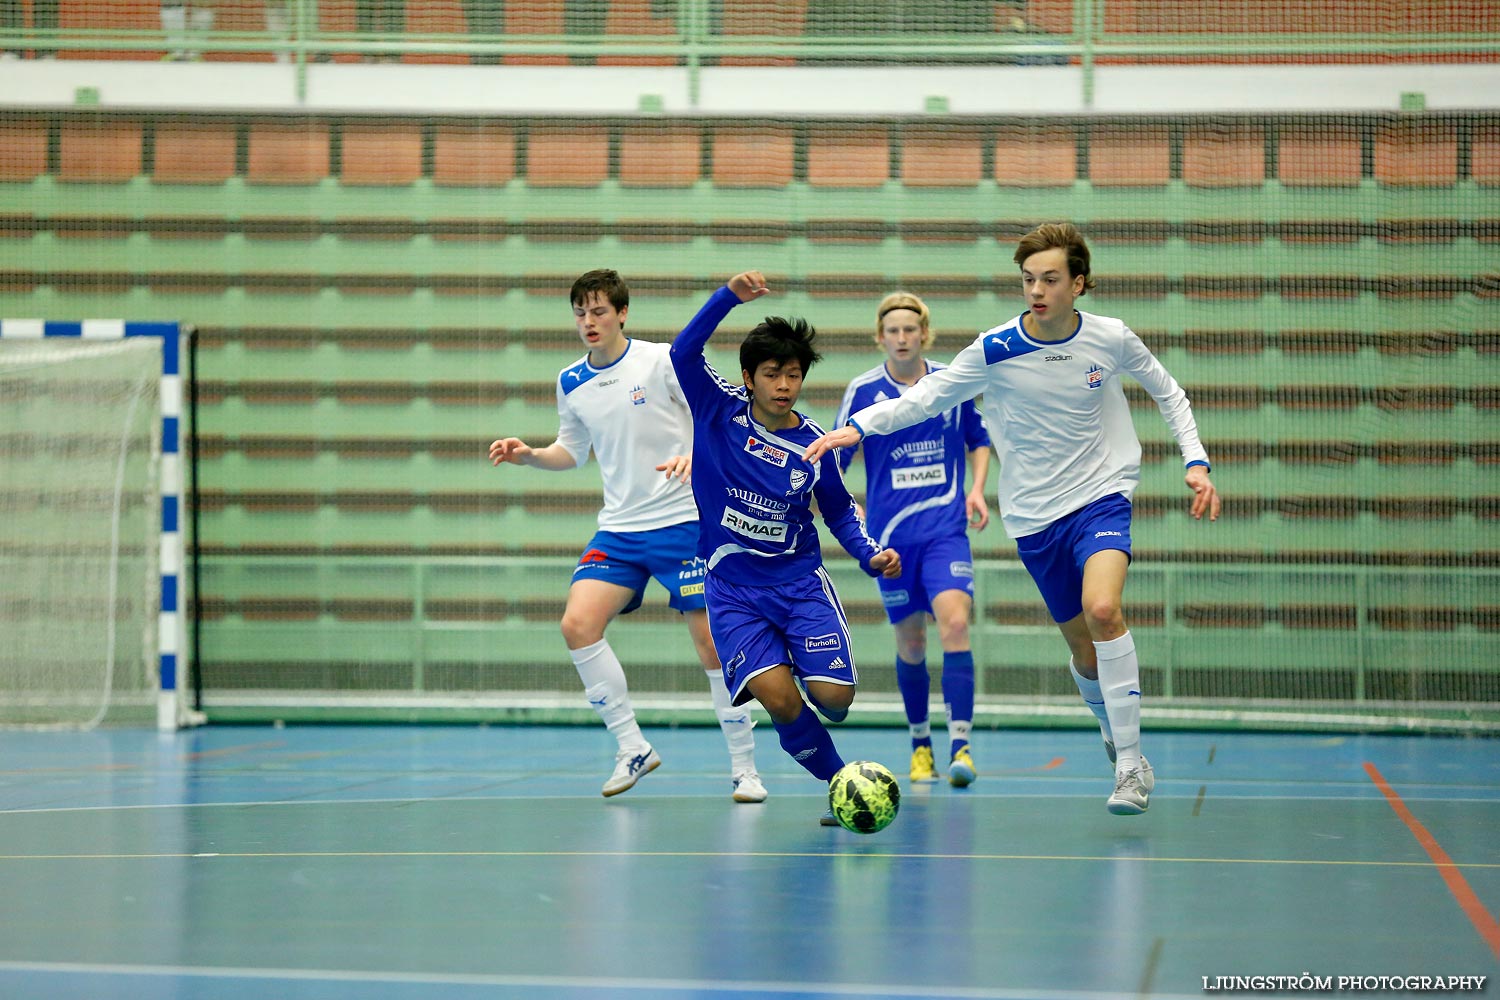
(1092, 697)
(921, 730)
(1120, 680)
(735, 723)
(604, 683)
(958, 730)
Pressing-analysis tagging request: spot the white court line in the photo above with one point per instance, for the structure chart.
(566, 982)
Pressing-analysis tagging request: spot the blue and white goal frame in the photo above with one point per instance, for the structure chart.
(172, 661)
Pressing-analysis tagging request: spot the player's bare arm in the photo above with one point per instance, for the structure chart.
(553, 458)
(749, 285)
(845, 437)
(888, 562)
(1205, 497)
(974, 503)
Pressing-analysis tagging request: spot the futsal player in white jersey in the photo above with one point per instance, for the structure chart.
(916, 503)
(1069, 463)
(622, 402)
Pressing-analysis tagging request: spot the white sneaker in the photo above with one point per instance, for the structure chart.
(747, 787)
(1131, 796)
(1148, 776)
(630, 767)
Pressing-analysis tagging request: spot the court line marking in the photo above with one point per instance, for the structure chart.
(1481, 918)
(732, 987)
(830, 854)
(231, 751)
(1353, 795)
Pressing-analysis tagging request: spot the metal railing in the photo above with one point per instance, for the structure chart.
(699, 42)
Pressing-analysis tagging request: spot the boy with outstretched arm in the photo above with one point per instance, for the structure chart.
(777, 623)
(1069, 464)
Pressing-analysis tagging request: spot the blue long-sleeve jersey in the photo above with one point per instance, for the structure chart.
(754, 491)
(914, 477)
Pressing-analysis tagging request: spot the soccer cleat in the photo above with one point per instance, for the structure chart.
(747, 787)
(828, 819)
(922, 768)
(1131, 796)
(630, 767)
(1148, 776)
(961, 771)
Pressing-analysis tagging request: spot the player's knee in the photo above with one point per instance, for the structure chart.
(579, 631)
(953, 630)
(1103, 616)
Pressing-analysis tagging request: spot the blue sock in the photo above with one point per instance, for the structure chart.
(913, 682)
(810, 745)
(958, 693)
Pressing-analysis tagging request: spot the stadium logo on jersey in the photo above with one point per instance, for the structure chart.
(813, 643)
(919, 476)
(766, 452)
(750, 527)
(1107, 534)
(960, 568)
(1095, 376)
(638, 395)
(799, 480)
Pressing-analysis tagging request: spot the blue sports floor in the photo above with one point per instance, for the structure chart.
(449, 863)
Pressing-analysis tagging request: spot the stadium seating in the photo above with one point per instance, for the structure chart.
(376, 298)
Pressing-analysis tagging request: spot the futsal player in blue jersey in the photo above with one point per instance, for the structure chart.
(915, 501)
(1069, 463)
(777, 622)
(622, 403)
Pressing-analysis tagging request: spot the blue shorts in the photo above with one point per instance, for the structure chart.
(632, 558)
(800, 622)
(927, 569)
(1055, 555)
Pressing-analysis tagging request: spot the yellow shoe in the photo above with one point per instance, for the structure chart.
(961, 769)
(922, 768)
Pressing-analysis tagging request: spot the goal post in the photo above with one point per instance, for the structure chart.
(91, 547)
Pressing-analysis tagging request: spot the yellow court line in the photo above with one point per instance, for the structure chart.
(895, 856)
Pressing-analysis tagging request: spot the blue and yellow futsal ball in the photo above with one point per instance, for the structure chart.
(864, 796)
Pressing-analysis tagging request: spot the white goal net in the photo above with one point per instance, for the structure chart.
(80, 530)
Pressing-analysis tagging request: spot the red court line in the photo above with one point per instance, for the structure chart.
(1483, 922)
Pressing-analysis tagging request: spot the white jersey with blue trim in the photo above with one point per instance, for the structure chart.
(753, 488)
(914, 477)
(1056, 412)
(632, 415)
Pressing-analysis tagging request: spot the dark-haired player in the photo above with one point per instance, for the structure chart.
(622, 403)
(777, 623)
